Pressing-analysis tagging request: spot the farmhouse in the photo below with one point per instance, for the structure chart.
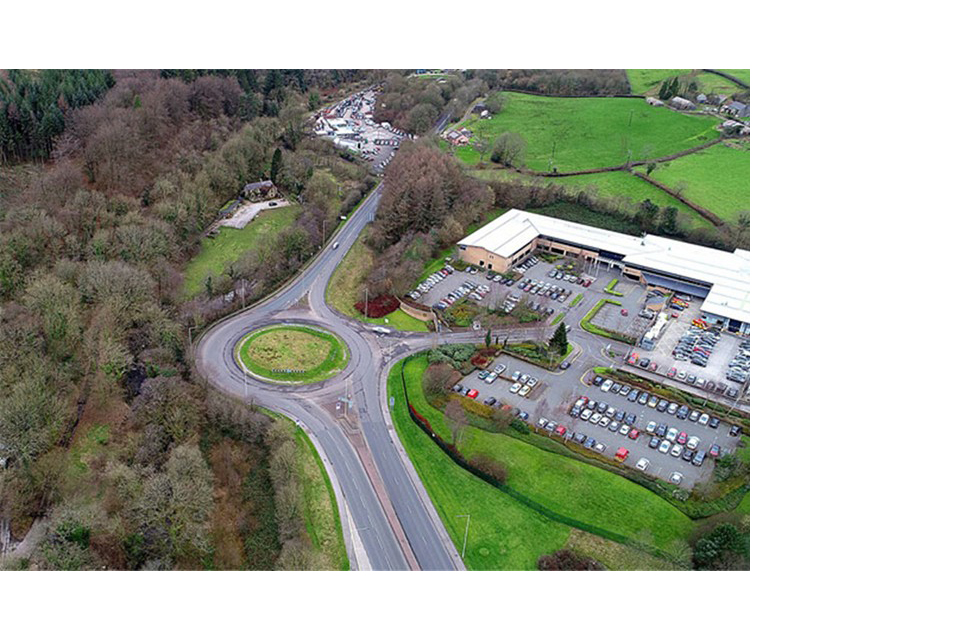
(256, 191)
(722, 278)
(737, 109)
(680, 103)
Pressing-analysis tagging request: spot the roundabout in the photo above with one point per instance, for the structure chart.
(291, 354)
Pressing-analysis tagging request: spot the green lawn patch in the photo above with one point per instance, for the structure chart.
(717, 178)
(344, 289)
(573, 134)
(289, 353)
(217, 253)
(576, 299)
(557, 319)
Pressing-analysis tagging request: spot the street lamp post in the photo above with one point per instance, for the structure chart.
(463, 551)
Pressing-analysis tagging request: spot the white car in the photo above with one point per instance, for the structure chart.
(516, 376)
(532, 382)
(676, 477)
(677, 450)
(651, 427)
(599, 447)
(704, 419)
(604, 421)
(524, 390)
(524, 379)
(606, 385)
(664, 446)
(642, 464)
(595, 418)
(515, 387)
(693, 443)
(491, 377)
(672, 434)
(652, 402)
(625, 429)
(542, 422)
(586, 415)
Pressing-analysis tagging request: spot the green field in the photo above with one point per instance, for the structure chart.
(647, 81)
(344, 289)
(574, 134)
(611, 184)
(642, 81)
(514, 534)
(312, 355)
(217, 253)
(717, 178)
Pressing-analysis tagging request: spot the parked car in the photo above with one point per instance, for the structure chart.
(693, 443)
(634, 434)
(676, 450)
(714, 422)
(653, 401)
(515, 387)
(664, 446)
(643, 398)
(605, 387)
(672, 409)
(590, 442)
(672, 434)
(694, 416)
(698, 459)
(654, 442)
(473, 393)
(630, 419)
(683, 412)
(599, 447)
(704, 419)
(676, 477)
(642, 464)
(490, 401)
(633, 395)
(585, 414)
(661, 430)
(682, 438)
(662, 406)
(735, 430)
(457, 388)
(500, 368)
(687, 455)
(564, 365)
(625, 429)
(615, 388)
(715, 450)
(651, 428)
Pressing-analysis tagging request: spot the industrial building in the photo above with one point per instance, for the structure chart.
(721, 278)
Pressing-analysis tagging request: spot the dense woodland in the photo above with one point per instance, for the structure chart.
(107, 434)
(414, 103)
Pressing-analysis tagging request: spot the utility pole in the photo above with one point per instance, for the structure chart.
(366, 302)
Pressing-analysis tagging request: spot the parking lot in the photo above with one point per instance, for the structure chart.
(555, 393)
(541, 299)
(350, 124)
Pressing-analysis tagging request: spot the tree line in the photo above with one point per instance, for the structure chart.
(565, 82)
(34, 107)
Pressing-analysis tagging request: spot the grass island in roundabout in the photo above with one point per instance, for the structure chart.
(292, 354)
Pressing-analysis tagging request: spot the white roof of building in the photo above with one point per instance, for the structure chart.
(728, 273)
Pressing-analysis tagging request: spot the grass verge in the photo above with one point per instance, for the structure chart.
(344, 289)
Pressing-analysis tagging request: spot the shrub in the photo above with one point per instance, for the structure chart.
(567, 560)
(487, 465)
(379, 306)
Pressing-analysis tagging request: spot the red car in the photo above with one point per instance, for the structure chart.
(473, 393)
(672, 372)
(623, 312)
(652, 367)
(715, 450)
(560, 431)
(682, 438)
(634, 434)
